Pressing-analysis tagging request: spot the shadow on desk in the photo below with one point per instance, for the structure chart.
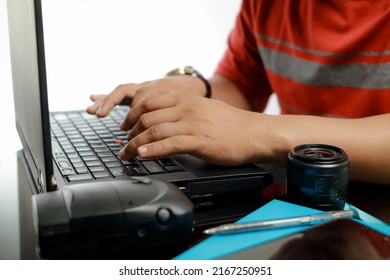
(373, 199)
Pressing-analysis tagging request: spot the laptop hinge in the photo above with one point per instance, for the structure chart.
(53, 183)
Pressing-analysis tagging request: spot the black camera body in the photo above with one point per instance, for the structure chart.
(118, 218)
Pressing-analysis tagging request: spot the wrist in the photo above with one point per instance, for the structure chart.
(272, 144)
(190, 71)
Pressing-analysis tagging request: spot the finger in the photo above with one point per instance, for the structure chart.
(97, 100)
(152, 88)
(93, 108)
(149, 104)
(155, 133)
(150, 119)
(177, 144)
(116, 97)
(95, 97)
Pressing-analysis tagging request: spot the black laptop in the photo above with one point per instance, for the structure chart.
(63, 148)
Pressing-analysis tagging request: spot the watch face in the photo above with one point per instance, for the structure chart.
(185, 70)
(188, 70)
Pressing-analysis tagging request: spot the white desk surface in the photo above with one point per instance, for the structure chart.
(9, 145)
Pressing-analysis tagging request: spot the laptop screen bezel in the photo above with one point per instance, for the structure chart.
(30, 88)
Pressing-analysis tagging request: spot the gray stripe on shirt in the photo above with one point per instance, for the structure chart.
(320, 53)
(357, 75)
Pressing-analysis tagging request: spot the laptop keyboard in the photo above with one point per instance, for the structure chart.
(86, 148)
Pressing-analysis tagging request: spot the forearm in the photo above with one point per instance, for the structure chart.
(366, 141)
(224, 90)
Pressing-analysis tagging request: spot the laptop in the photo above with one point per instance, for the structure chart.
(73, 147)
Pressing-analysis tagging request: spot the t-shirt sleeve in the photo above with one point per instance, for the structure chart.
(241, 62)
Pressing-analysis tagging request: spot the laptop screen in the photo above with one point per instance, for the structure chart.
(29, 86)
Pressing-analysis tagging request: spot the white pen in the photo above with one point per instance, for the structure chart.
(279, 223)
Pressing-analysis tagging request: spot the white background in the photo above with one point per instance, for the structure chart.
(94, 45)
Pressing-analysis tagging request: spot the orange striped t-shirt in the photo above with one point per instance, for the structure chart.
(321, 57)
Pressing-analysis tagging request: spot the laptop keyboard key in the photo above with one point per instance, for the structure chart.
(166, 162)
(80, 177)
(90, 158)
(119, 171)
(110, 159)
(170, 165)
(153, 167)
(97, 168)
(137, 169)
(113, 164)
(102, 174)
(81, 170)
(93, 163)
(67, 171)
(174, 168)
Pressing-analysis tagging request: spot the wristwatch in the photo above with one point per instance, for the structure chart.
(189, 70)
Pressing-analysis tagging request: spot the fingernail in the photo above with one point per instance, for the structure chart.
(142, 151)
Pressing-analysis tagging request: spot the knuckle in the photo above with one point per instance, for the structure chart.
(175, 142)
(155, 132)
(148, 103)
(121, 89)
(189, 110)
(163, 148)
(159, 148)
(145, 120)
(139, 91)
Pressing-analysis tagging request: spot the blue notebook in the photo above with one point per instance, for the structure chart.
(216, 247)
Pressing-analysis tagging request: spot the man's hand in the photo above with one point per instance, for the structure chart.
(132, 94)
(171, 116)
(163, 125)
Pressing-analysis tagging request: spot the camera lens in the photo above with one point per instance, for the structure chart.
(317, 176)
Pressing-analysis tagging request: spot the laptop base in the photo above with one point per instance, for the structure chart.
(207, 212)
